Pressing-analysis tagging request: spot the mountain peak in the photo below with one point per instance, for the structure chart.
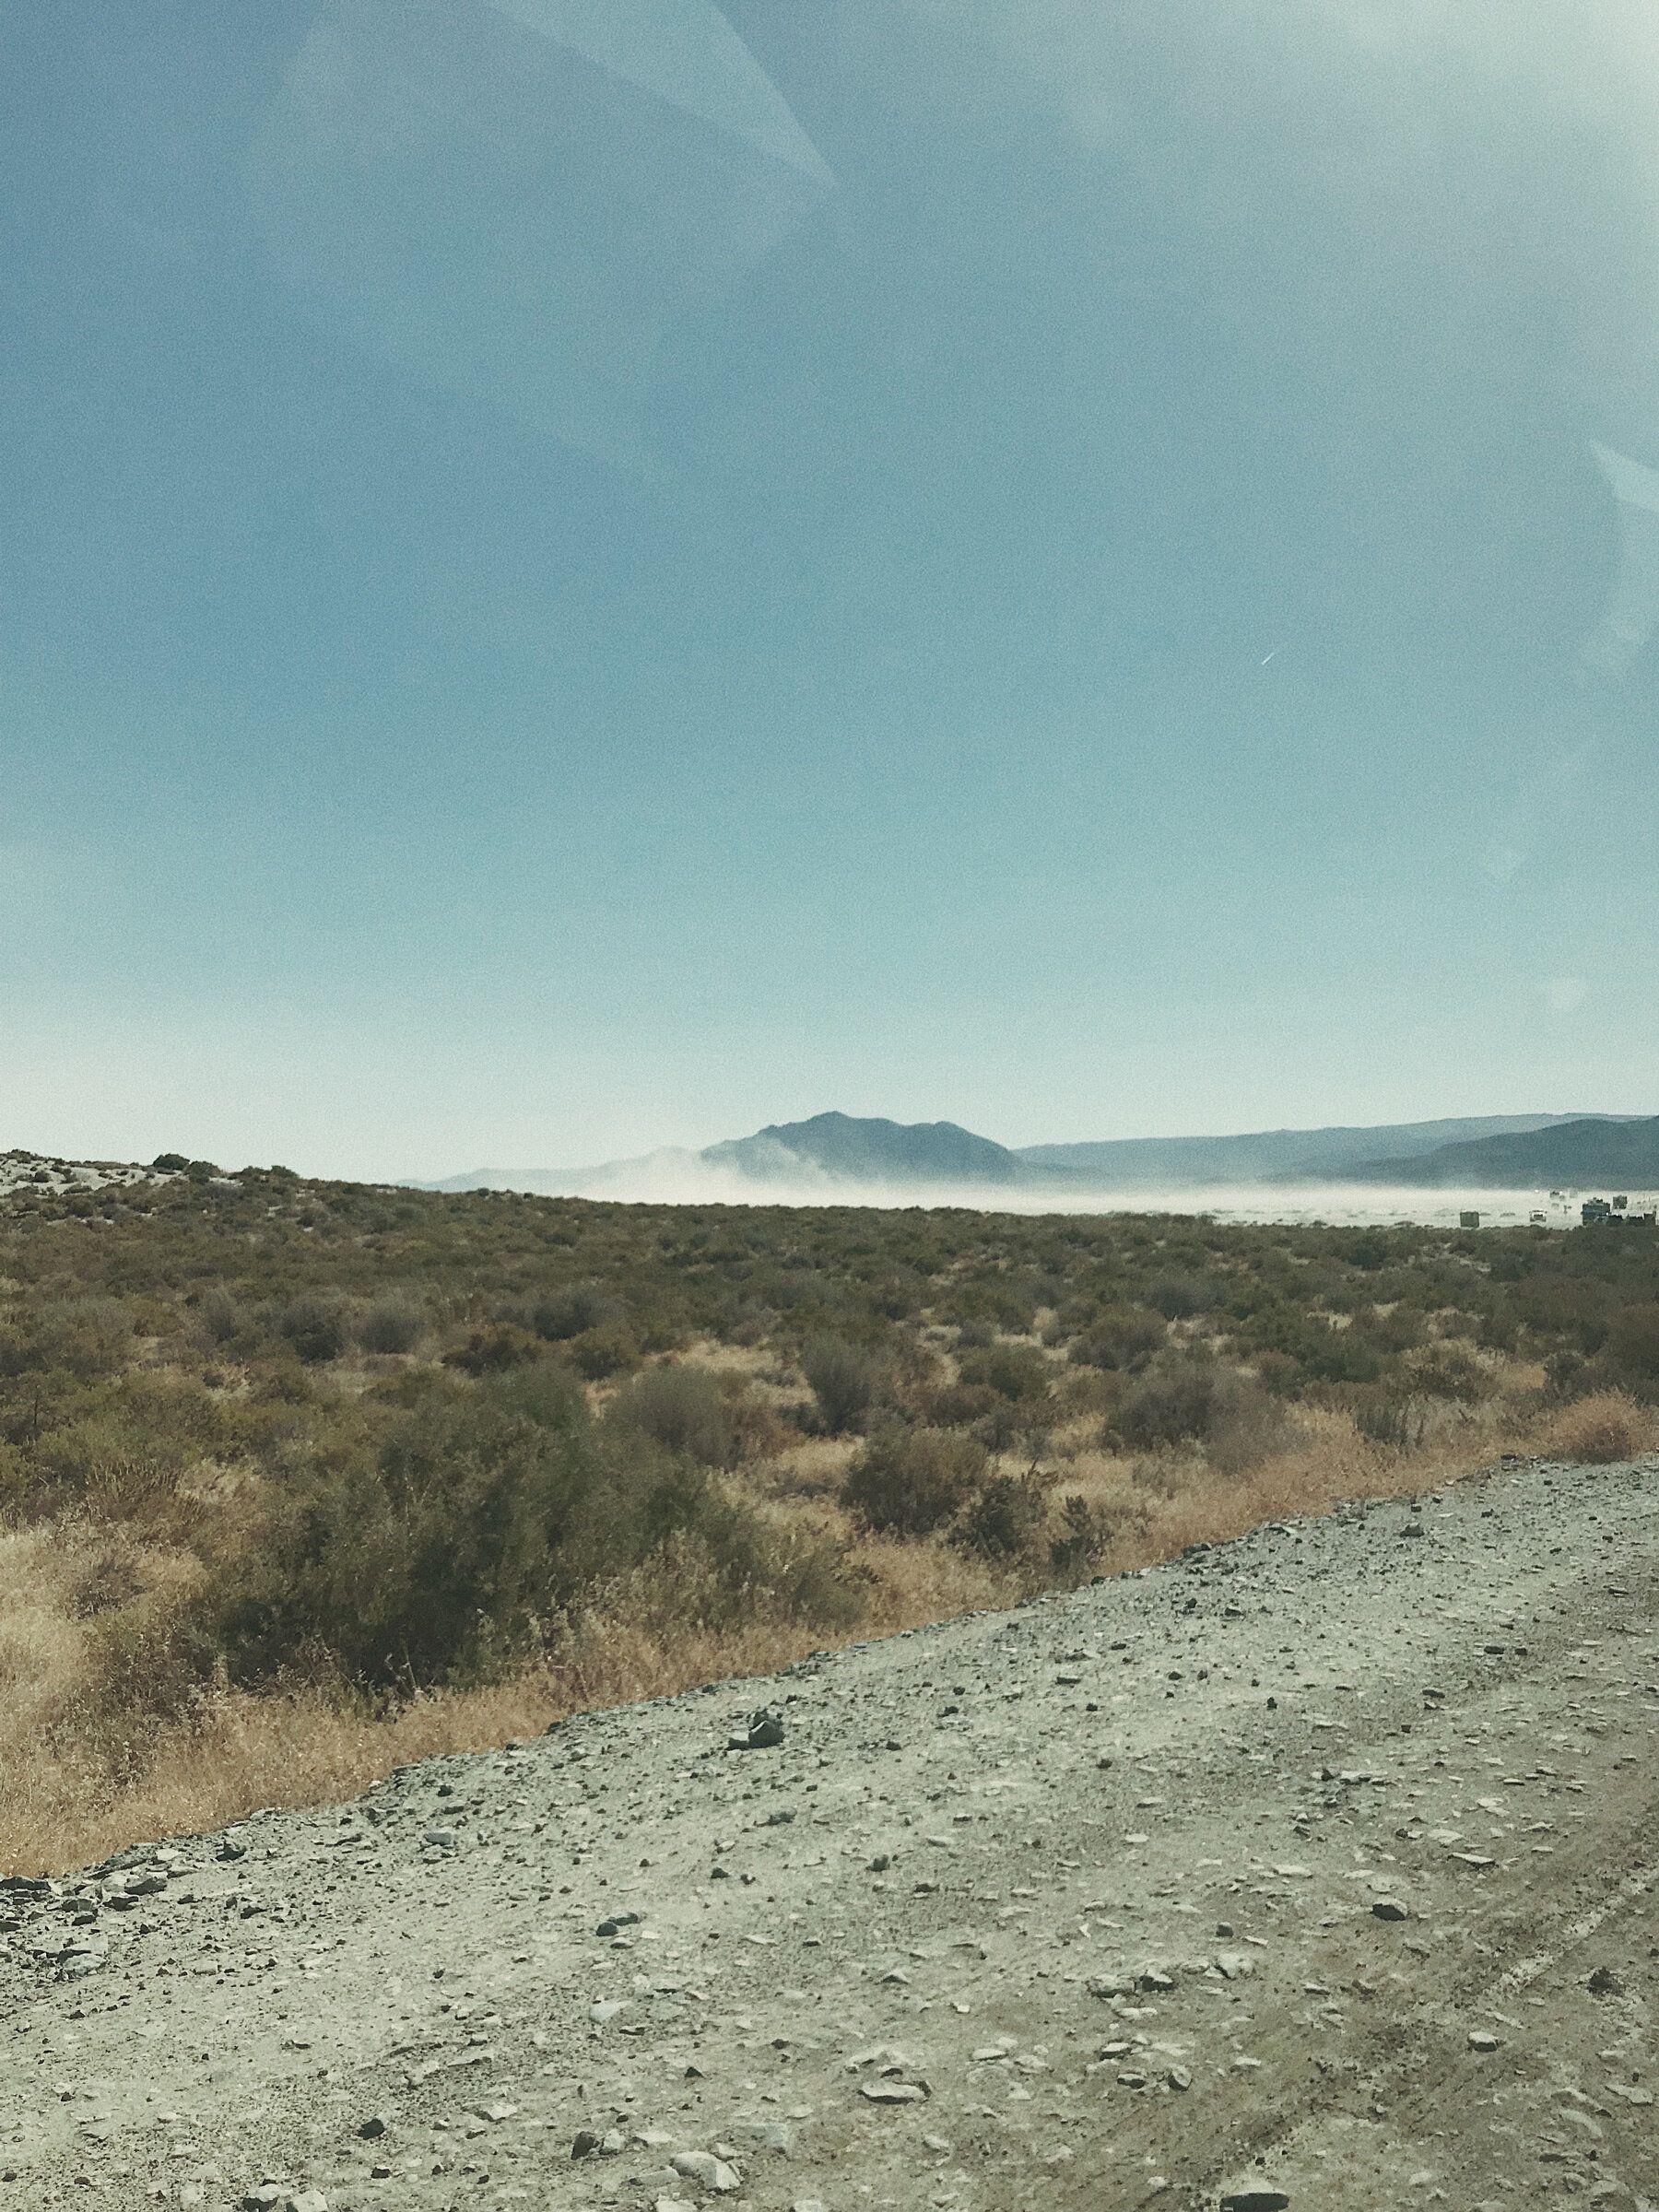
(843, 1147)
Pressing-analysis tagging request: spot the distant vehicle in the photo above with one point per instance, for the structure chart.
(1469, 1220)
(1615, 1213)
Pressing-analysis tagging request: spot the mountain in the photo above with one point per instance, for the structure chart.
(795, 1159)
(850, 1149)
(1268, 1155)
(798, 1160)
(1567, 1155)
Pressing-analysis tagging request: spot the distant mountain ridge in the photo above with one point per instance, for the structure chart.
(849, 1152)
(1271, 1155)
(1592, 1150)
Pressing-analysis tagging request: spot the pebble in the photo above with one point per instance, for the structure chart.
(764, 1732)
(707, 2171)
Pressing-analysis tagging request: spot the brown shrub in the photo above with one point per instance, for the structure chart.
(1602, 1428)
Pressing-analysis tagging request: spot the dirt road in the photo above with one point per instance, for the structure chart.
(1319, 1868)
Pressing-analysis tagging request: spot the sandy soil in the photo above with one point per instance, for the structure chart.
(1313, 1869)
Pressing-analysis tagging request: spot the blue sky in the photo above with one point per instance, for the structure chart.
(579, 576)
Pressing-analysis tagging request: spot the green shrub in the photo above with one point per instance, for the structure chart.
(913, 1482)
(1015, 1372)
(391, 1324)
(1632, 1345)
(572, 1312)
(1006, 1518)
(1119, 1336)
(314, 1327)
(494, 1349)
(1451, 1372)
(1173, 1405)
(450, 1553)
(1178, 1296)
(843, 1380)
(220, 1317)
(683, 1409)
(1083, 1534)
(603, 1351)
(1199, 1400)
(80, 1337)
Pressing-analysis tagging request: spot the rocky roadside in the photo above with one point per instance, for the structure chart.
(1313, 1870)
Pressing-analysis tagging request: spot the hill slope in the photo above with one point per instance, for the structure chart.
(1571, 1155)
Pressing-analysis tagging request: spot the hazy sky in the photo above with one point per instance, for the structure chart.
(577, 574)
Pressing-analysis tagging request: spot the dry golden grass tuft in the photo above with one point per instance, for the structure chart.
(1602, 1428)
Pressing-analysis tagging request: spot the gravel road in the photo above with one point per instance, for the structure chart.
(1314, 1869)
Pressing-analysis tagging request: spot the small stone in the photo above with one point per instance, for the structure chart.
(606, 2009)
(1255, 2200)
(584, 2143)
(769, 2134)
(1479, 2040)
(892, 2092)
(763, 1733)
(1179, 2079)
(707, 2171)
(371, 2129)
(1390, 1908)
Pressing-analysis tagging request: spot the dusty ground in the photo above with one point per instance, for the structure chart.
(1322, 1864)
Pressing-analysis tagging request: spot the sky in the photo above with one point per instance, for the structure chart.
(578, 575)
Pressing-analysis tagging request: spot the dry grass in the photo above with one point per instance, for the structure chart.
(1602, 1428)
(64, 1805)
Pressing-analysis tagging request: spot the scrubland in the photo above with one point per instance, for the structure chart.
(301, 1481)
